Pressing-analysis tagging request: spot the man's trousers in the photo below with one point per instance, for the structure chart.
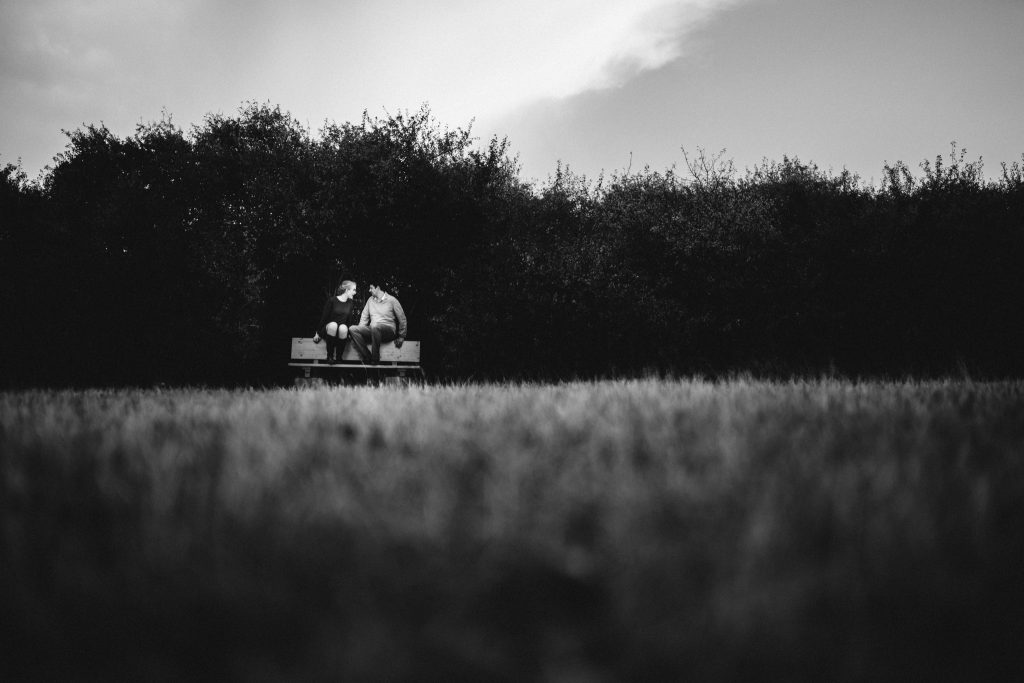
(375, 335)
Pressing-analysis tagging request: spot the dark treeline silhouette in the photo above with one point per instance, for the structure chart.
(193, 256)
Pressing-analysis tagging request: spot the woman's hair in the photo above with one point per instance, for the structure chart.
(345, 284)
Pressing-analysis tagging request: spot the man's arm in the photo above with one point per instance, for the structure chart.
(364, 317)
(400, 319)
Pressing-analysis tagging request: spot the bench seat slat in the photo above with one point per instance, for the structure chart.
(344, 366)
(303, 349)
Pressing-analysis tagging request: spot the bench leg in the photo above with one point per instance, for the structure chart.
(306, 380)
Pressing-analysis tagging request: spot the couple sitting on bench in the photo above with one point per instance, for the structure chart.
(381, 321)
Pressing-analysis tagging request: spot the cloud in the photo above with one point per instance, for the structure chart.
(470, 58)
(469, 54)
(65, 62)
(492, 56)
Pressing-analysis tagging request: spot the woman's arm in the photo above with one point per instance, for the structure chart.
(323, 319)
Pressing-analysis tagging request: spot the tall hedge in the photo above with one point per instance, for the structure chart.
(193, 256)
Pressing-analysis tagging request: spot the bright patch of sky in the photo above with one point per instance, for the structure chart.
(477, 58)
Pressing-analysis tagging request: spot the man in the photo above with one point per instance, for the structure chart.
(382, 320)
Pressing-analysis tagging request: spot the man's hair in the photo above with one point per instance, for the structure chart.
(345, 284)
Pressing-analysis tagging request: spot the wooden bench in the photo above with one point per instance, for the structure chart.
(400, 363)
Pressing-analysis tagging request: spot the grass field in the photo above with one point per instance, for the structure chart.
(612, 531)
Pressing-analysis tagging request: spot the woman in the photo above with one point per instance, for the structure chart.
(334, 320)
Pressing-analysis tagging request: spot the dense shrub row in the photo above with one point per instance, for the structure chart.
(193, 256)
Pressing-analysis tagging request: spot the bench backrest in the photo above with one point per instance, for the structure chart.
(303, 348)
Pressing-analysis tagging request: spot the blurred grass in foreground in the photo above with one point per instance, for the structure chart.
(647, 530)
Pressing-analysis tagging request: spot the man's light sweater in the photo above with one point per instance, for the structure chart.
(384, 311)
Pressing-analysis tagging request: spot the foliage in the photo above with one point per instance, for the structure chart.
(174, 256)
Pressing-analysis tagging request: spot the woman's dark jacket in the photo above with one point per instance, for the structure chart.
(335, 312)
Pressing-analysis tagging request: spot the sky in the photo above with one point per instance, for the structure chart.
(600, 86)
